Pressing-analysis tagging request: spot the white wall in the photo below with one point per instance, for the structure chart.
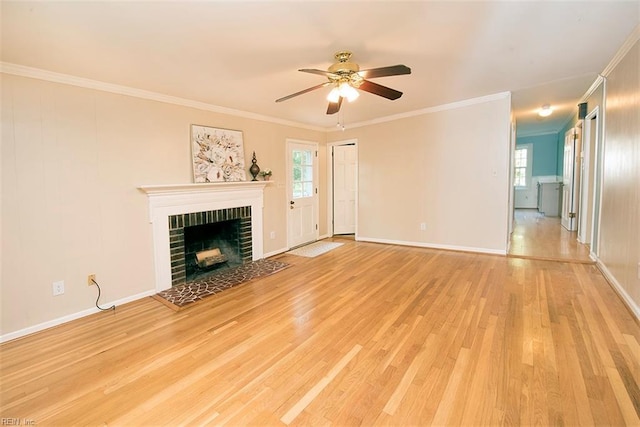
(72, 159)
(528, 198)
(448, 169)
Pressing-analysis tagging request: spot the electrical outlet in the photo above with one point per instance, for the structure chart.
(90, 279)
(58, 288)
(272, 235)
(423, 226)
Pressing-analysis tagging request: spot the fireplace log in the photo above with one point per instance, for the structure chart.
(210, 258)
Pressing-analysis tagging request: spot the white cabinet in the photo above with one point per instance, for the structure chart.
(549, 196)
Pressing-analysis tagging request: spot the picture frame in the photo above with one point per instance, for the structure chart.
(218, 154)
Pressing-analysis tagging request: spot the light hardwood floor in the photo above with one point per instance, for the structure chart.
(536, 236)
(366, 334)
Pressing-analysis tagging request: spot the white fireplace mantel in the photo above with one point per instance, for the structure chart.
(164, 189)
(175, 199)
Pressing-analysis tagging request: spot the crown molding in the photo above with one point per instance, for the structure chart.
(624, 49)
(435, 109)
(37, 73)
(596, 83)
(533, 134)
(40, 74)
(620, 54)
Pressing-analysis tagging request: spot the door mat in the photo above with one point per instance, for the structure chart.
(178, 297)
(315, 249)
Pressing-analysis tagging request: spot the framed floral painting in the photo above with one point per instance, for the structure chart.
(218, 154)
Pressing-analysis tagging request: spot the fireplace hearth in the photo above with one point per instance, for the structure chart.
(174, 207)
(226, 229)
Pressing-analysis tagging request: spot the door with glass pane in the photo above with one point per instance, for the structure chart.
(302, 192)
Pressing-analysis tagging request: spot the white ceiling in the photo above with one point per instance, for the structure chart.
(244, 55)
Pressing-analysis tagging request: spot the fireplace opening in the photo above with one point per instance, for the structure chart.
(196, 238)
(222, 235)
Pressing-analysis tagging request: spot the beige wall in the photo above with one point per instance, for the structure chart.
(448, 169)
(72, 159)
(620, 220)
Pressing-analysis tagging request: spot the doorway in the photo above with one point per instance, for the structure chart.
(572, 163)
(536, 236)
(302, 192)
(342, 176)
(591, 182)
(539, 236)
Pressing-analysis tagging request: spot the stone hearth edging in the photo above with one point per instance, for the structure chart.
(177, 297)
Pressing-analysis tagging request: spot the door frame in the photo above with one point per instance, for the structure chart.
(596, 207)
(330, 146)
(590, 145)
(289, 185)
(512, 189)
(569, 204)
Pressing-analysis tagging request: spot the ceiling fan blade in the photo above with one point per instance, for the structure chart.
(303, 91)
(380, 90)
(320, 72)
(334, 107)
(393, 70)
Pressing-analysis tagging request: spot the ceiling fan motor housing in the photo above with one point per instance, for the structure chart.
(344, 70)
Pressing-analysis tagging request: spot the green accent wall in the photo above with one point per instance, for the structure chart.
(547, 156)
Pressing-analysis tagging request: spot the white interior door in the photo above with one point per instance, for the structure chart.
(587, 180)
(345, 164)
(577, 177)
(302, 192)
(568, 173)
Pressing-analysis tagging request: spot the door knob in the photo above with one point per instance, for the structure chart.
(292, 202)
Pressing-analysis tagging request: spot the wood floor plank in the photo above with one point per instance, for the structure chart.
(366, 334)
(295, 410)
(537, 236)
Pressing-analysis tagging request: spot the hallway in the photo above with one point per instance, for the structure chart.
(536, 236)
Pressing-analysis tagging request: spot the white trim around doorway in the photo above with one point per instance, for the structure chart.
(330, 146)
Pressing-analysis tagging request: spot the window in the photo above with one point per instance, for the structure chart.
(302, 173)
(521, 163)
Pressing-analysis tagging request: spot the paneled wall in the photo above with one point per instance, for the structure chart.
(620, 219)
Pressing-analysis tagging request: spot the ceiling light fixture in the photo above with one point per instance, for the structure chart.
(545, 111)
(348, 91)
(344, 90)
(334, 95)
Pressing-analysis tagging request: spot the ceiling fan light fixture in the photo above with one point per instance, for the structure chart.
(346, 80)
(334, 95)
(545, 111)
(348, 91)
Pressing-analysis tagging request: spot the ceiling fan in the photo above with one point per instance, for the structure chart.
(346, 77)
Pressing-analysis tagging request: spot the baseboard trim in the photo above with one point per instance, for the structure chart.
(64, 319)
(283, 250)
(622, 293)
(276, 252)
(433, 246)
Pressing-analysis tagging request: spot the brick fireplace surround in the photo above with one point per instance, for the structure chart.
(239, 217)
(167, 201)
